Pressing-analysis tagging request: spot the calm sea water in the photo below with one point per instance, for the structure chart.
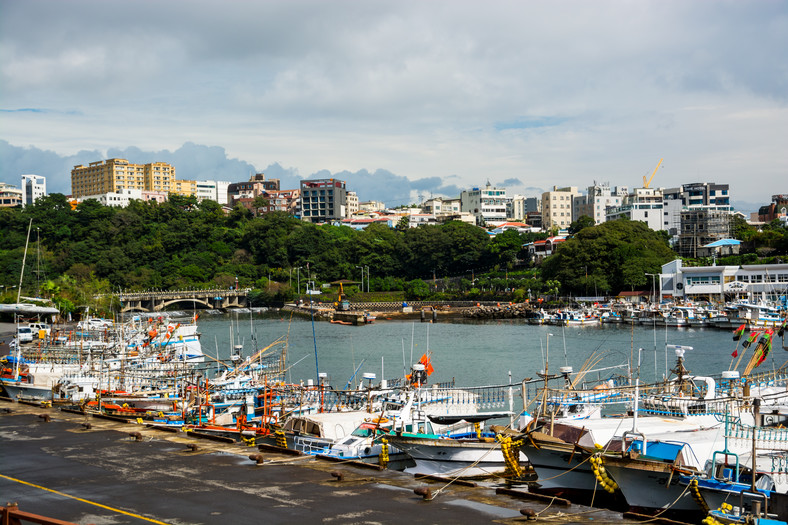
(473, 353)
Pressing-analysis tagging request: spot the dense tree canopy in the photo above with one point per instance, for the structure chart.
(182, 243)
(608, 258)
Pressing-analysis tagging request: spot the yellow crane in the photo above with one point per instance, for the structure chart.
(647, 182)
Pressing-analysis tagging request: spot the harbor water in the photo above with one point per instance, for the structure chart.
(473, 353)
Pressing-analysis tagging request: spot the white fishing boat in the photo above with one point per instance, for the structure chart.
(462, 455)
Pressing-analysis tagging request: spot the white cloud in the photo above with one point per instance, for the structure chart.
(547, 93)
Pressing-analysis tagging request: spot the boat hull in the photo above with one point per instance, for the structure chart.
(453, 458)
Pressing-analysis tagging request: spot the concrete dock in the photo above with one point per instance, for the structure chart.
(84, 470)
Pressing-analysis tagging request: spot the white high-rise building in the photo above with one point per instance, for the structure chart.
(215, 190)
(487, 204)
(33, 188)
(595, 203)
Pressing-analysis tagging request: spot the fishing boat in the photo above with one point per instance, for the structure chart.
(471, 454)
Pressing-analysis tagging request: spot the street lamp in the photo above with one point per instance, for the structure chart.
(367, 267)
(362, 277)
(298, 271)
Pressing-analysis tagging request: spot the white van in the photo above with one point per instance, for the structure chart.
(38, 328)
(24, 334)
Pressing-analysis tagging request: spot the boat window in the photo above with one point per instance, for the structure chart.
(363, 432)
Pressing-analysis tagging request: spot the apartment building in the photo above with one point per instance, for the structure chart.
(644, 204)
(372, 206)
(10, 195)
(557, 207)
(186, 188)
(278, 200)
(123, 198)
(776, 209)
(698, 195)
(255, 186)
(116, 175)
(215, 190)
(34, 187)
(520, 206)
(597, 200)
(440, 206)
(352, 203)
(323, 200)
(487, 204)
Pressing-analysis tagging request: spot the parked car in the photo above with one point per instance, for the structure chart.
(24, 334)
(94, 323)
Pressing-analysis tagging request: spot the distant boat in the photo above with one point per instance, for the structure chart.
(27, 308)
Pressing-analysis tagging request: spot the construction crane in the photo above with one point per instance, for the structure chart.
(647, 182)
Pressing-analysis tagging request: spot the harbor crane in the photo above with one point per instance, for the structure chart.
(647, 182)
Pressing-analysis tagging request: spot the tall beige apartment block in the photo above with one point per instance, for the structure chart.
(557, 207)
(114, 175)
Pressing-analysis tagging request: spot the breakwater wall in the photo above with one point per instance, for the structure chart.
(421, 309)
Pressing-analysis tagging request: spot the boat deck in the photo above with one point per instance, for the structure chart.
(62, 469)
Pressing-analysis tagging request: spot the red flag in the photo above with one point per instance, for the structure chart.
(425, 360)
(735, 353)
(739, 332)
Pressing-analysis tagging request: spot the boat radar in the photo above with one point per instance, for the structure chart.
(679, 349)
(369, 376)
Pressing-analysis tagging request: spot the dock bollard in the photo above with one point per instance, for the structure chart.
(424, 492)
(340, 476)
(44, 417)
(528, 513)
(193, 447)
(87, 426)
(136, 435)
(257, 458)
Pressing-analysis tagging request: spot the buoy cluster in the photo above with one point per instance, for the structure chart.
(725, 508)
(383, 457)
(601, 474)
(697, 496)
(511, 454)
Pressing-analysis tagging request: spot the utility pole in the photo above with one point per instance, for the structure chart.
(653, 287)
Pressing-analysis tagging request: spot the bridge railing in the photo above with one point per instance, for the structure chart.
(162, 294)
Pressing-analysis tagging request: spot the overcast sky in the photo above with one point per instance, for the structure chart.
(402, 98)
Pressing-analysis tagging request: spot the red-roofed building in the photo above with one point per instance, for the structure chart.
(538, 250)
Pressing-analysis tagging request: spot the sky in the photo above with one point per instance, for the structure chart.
(402, 99)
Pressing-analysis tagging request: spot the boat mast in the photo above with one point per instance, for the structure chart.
(24, 258)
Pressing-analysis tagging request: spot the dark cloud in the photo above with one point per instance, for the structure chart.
(200, 162)
(17, 161)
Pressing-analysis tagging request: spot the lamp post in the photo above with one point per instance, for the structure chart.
(362, 276)
(367, 267)
(298, 272)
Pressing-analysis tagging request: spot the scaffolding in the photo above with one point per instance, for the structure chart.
(701, 226)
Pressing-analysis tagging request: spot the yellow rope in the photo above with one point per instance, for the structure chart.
(84, 500)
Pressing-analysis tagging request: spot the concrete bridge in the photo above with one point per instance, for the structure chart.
(156, 301)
